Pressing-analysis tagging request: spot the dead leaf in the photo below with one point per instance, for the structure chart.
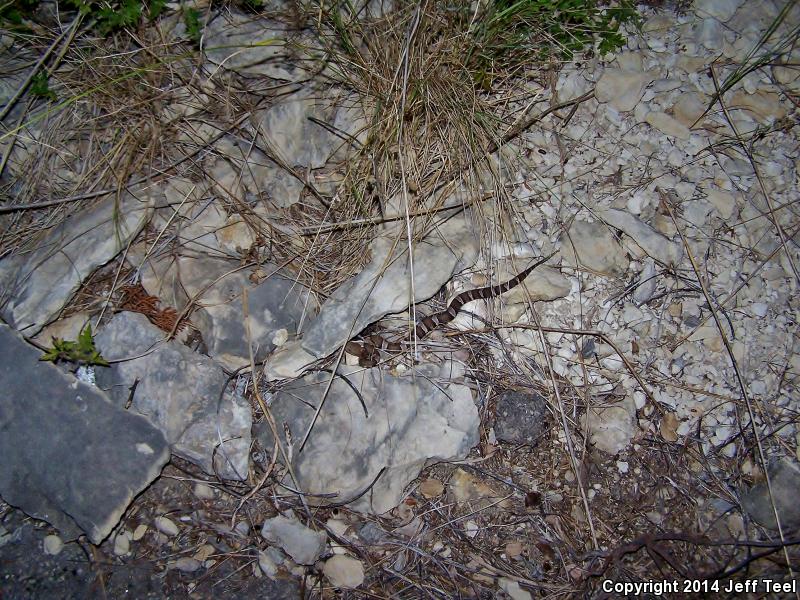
(669, 427)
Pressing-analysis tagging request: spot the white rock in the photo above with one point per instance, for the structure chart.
(471, 528)
(166, 526)
(304, 545)
(611, 428)
(709, 34)
(648, 281)
(668, 125)
(344, 571)
(187, 564)
(139, 532)
(242, 528)
(288, 361)
(122, 543)
(722, 10)
(622, 89)
(267, 565)
(281, 337)
(513, 589)
(759, 309)
(52, 545)
(203, 491)
(724, 202)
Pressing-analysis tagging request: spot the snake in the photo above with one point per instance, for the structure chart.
(367, 348)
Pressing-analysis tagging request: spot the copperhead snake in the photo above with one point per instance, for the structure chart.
(367, 349)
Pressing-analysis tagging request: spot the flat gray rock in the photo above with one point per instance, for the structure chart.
(70, 457)
(253, 46)
(622, 88)
(294, 126)
(35, 285)
(381, 288)
(594, 247)
(178, 391)
(422, 415)
(277, 303)
(784, 477)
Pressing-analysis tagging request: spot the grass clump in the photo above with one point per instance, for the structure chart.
(510, 32)
(434, 72)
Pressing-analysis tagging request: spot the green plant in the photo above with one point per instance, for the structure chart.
(40, 86)
(13, 14)
(510, 32)
(82, 351)
(112, 15)
(191, 18)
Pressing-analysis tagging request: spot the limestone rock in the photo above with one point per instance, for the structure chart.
(178, 391)
(70, 457)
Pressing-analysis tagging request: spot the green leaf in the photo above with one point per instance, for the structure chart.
(40, 86)
(156, 8)
(191, 18)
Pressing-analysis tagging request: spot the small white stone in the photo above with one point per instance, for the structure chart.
(187, 564)
(281, 337)
(759, 309)
(122, 543)
(344, 571)
(52, 545)
(667, 125)
(267, 565)
(513, 589)
(242, 528)
(165, 526)
(203, 491)
(471, 528)
(622, 466)
(139, 532)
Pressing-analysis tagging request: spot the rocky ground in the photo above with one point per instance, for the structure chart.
(226, 223)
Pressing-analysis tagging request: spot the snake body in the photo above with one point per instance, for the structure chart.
(367, 348)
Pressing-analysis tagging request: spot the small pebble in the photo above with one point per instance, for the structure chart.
(471, 528)
(139, 532)
(187, 564)
(242, 528)
(165, 526)
(52, 545)
(344, 571)
(203, 491)
(122, 543)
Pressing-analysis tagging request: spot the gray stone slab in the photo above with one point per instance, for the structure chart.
(36, 284)
(256, 47)
(217, 286)
(70, 457)
(403, 422)
(784, 477)
(384, 286)
(178, 391)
